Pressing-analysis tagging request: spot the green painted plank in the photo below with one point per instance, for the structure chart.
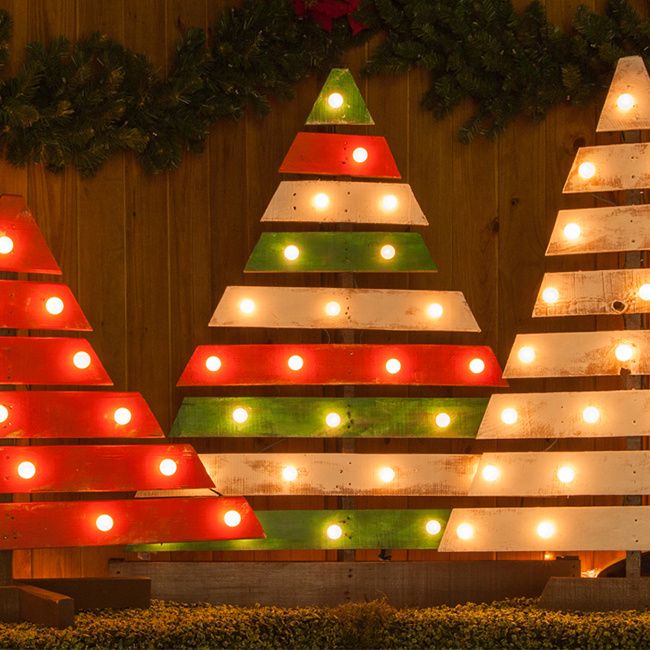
(338, 252)
(349, 108)
(306, 417)
(307, 529)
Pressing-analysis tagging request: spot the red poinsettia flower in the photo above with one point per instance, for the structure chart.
(325, 11)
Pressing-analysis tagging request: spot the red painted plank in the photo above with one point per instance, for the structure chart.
(76, 414)
(100, 468)
(433, 365)
(23, 248)
(334, 154)
(39, 305)
(135, 521)
(46, 360)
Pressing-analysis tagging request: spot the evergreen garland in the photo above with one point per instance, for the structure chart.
(79, 103)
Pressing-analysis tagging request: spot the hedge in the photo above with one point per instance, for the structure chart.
(508, 624)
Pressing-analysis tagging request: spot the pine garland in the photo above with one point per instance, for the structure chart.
(80, 103)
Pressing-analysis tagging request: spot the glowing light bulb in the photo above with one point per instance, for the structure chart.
(433, 527)
(54, 305)
(644, 292)
(213, 363)
(295, 362)
(360, 155)
(232, 518)
(26, 469)
(240, 415)
(465, 531)
(4, 413)
(291, 252)
(526, 354)
(443, 420)
(289, 473)
(393, 366)
(333, 308)
(389, 203)
(81, 360)
(335, 100)
(587, 170)
(168, 467)
(321, 201)
(333, 420)
(509, 415)
(122, 415)
(546, 529)
(6, 245)
(334, 531)
(104, 523)
(477, 366)
(591, 415)
(572, 231)
(386, 474)
(550, 295)
(387, 252)
(549, 556)
(624, 352)
(435, 310)
(247, 306)
(565, 474)
(490, 473)
(624, 102)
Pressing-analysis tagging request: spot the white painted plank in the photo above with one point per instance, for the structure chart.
(560, 415)
(581, 293)
(345, 202)
(601, 230)
(379, 309)
(579, 354)
(595, 528)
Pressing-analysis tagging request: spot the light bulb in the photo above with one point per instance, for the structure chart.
(490, 473)
(624, 352)
(295, 362)
(332, 420)
(549, 556)
(644, 292)
(587, 170)
(389, 203)
(546, 529)
(334, 531)
(4, 413)
(465, 531)
(443, 420)
(572, 231)
(435, 310)
(565, 474)
(477, 366)
(240, 415)
(54, 305)
(360, 155)
(6, 245)
(387, 252)
(550, 295)
(591, 415)
(168, 467)
(509, 415)
(386, 474)
(433, 527)
(624, 102)
(247, 306)
(81, 360)
(393, 366)
(335, 100)
(232, 518)
(122, 415)
(321, 201)
(104, 523)
(333, 308)
(213, 363)
(289, 473)
(26, 469)
(291, 252)
(526, 354)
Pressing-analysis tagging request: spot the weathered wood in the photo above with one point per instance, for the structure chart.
(306, 417)
(601, 595)
(44, 607)
(590, 528)
(345, 202)
(579, 354)
(374, 309)
(301, 584)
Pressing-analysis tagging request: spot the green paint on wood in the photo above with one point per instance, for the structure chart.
(340, 252)
(305, 417)
(349, 108)
(307, 529)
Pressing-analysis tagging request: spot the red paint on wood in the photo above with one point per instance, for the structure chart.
(29, 305)
(433, 365)
(100, 468)
(135, 521)
(46, 360)
(75, 414)
(332, 154)
(30, 252)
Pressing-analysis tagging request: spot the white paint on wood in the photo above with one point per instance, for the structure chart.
(380, 309)
(593, 528)
(345, 202)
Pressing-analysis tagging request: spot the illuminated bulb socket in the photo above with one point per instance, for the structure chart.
(54, 305)
(295, 362)
(389, 203)
(565, 474)
(247, 306)
(335, 100)
(526, 354)
(587, 170)
(433, 527)
(572, 231)
(591, 415)
(6, 245)
(624, 352)
(465, 531)
(81, 360)
(26, 469)
(333, 420)
(546, 529)
(122, 415)
(240, 415)
(232, 519)
(393, 366)
(435, 310)
(443, 420)
(624, 102)
(386, 474)
(291, 252)
(477, 366)
(550, 295)
(321, 201)
(4, 413)
(333, 308)
(289, 473)
(644, 292)
(104, 523)
(387, 252)
(360, 155)
(509, 416)
(549, 556)
(168, 467)
(213, 363)
(334, 532)
(490, 473)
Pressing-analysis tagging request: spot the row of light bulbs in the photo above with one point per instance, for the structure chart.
(544, 529)
(590, 414)
(387, 202)
(291, 252)
(565, 473)
(550, 295)
(334, 531)
(623, 352)
(121, 415)
(385, 474)
(105, 522)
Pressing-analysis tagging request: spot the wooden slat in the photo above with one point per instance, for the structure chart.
(560, 415)
(579, 354)
(44, 360)
(361, 417)
(602, 230)
(307, 529)
(346, 202)
(617, 167)
(594, 528)
(373, 309)
(581, 293)
(331, 154)
(135, 521)
(630, 78)
(535, 474)
(339, 252)
(257, 365)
